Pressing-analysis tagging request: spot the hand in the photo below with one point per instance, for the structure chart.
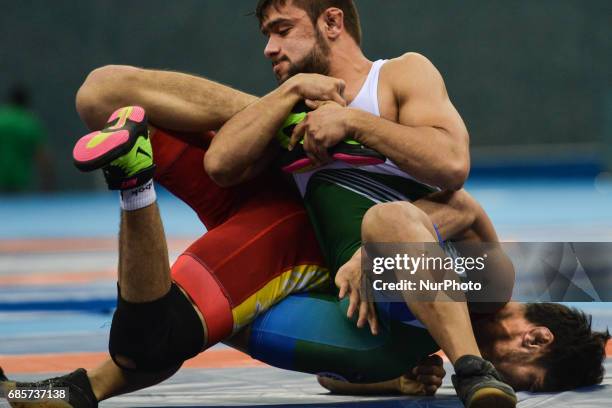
(318, 87)
(348, 280)
(324, 127)
(429, 373)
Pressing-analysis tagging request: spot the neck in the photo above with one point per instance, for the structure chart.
(349, 64)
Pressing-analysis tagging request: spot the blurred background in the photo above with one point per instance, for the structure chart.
(530, 78)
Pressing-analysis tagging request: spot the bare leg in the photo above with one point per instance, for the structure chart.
(144, 276)
(458, 217)
(461, 219)
(176, 101)
(144, 269)
(448, 322)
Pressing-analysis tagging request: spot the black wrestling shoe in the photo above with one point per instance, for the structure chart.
(79, 391)
(2, 376)
(479, 385)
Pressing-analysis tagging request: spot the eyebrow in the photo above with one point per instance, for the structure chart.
(265, 29)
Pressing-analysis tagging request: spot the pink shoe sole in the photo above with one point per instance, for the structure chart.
(357, 160)
(97, 149)
(298, 166)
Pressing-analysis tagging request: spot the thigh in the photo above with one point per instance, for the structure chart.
(337, 200)
(310, 333)
(262, 253)
(180, 170)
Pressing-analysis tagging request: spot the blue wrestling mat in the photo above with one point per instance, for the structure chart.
(57, 289)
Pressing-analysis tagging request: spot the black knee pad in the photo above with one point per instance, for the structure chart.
(156, 335)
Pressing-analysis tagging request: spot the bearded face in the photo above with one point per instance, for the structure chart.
(316, 61)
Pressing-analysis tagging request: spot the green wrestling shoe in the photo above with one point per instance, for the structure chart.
(122, 150)
(296, 161)
(479, 385)
(79, 393)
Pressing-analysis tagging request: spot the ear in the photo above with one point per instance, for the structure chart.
(537, 338)
(333, 20)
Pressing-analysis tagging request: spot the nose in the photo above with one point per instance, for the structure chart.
(272, 48)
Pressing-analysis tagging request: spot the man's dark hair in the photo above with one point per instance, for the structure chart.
(314, 8)
(575, 356)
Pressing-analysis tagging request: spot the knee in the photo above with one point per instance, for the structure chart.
(391, 216)
(155, 336)
(101, 93)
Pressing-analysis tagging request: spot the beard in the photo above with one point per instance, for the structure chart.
(315, 62)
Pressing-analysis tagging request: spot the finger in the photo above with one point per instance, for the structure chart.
(424, 369)
(297, 134)
(336, 97)
(341, 85)
(433, 364)
(353, 303)
(372, 319)
(343, 289)
(324, 155)
(310, 148)
(430, 389)
(312, 104)
(313, 160)
(363, 314)
(434, 359)
(307, 145)
(430, 370)
(429, 380)
(322, 152)
(317, 149)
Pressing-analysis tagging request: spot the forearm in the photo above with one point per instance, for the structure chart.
(246, 137)
(173, 100)
(449, 212)
(431, 155)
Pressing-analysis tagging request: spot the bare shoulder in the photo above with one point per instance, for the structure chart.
(412, 72)
(410, 61)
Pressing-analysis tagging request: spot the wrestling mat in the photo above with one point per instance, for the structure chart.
(57, 289)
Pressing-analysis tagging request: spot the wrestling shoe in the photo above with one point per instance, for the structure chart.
(79, 392)
(356, 154)
(296, 161)
(122, 149)
(479, 385)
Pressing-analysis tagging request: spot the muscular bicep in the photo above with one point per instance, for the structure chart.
(422, 97)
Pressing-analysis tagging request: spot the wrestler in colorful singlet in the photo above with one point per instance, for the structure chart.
(259, 249)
